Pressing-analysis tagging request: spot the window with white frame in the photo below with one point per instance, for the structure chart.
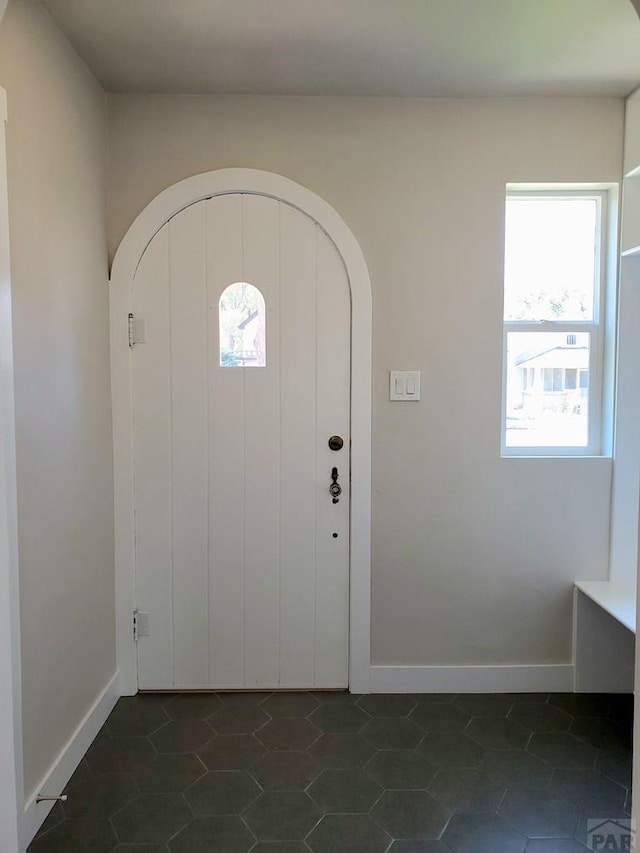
(554, 282)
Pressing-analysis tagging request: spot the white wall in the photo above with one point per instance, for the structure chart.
(474, 556)
(10, 675)
(10, 762)
(56, 138)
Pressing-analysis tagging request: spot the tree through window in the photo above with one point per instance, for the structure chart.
(242, 326)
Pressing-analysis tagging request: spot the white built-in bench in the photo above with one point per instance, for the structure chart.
(604, 627)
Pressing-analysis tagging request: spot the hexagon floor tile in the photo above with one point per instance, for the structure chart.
(481, 833)
(131, 717)
(411, 814)
(285, 771)
(451, 750)
(282, 816)
(77, 836)
(400, 768)
(288, 734)
(601, 733)
(339, 717)
(562, 750)
(290, 705)
(232, 752)
(581, 704)
(168, 773)
(555, 845)
(182, 736)
(223, 834)
(540, 718)
(387, 704)
(238, 719)
(616, 766)
(141, 848)
(497, 733)
(341, 750)
(355, 833)
(484, 704)
(222, 793)
(515, 768)
(587, 791)
(392, 733)
(152, 818)
(538, 814)
(118, 754)
(193, 706)
(344, 791)
(439, 717)
(105, 796)
(315, 772)
(244, 698)
(466, 790)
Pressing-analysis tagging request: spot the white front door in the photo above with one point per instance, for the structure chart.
(242, 555)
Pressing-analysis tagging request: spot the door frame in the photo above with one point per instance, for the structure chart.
(166, 205)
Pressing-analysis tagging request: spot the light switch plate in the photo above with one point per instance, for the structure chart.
(404, 385)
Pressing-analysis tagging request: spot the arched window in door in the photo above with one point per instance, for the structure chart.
(242, 313)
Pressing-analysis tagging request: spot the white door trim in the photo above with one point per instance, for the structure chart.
(170, 202)
(11, 767)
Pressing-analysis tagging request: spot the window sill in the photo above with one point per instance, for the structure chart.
(553, 454)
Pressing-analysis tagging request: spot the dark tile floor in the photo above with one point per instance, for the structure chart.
(336, 773)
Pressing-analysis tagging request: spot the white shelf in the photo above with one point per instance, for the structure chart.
(617, 599)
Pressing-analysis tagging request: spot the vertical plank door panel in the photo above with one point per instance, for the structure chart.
(298, 439)
(226, 454)
(150, 363)
(190, 440)
(262, 452)
(333, 408)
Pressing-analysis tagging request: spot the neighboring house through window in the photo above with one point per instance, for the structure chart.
(554, 305)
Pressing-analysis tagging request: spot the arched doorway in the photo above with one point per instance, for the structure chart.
(262, 189)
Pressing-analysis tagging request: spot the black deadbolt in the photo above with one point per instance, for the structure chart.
(336, 442)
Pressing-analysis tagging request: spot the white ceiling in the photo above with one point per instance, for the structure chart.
(437, 48)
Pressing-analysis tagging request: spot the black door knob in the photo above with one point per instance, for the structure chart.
(336, 442)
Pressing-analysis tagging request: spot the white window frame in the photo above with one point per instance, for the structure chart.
(595, 328)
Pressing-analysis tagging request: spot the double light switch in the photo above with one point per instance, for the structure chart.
(404, 385)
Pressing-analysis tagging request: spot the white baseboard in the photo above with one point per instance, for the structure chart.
(472, 679)
(62, 769)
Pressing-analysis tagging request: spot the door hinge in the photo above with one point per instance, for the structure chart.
(141, 627)
(135, 330)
